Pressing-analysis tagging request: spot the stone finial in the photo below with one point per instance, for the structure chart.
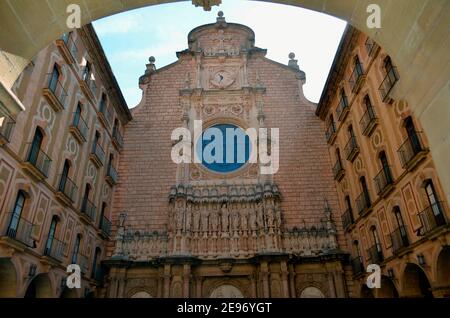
(206, 4)
(293, 62)
(220, 17)
(150, 68)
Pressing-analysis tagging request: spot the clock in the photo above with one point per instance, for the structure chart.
(222, 79)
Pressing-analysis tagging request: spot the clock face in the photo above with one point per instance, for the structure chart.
(222, 79)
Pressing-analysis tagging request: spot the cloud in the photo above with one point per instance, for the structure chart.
(119, 24)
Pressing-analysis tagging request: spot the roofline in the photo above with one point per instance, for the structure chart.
(337, 69)
(96, 51)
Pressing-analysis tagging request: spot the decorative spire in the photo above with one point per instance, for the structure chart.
(293, 62)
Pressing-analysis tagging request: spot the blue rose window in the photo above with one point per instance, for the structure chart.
(224, 148)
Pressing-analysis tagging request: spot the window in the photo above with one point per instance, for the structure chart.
(87, 72)
(116, 126)
(54, 78)
(77, 115)
(348, 205)
(338, 156)
(103, 102)
(389, 69)
(358, 66)
(95, 264)
(351, 132)
(412, 135)
(64, 176)
(102, 215)
(96, 141)
(51, 236)
(365, 190)
(16, 214)
(376, 239)
(432, 198)
(385, 167)
(76, 249)
(36, 146)
(87, 191)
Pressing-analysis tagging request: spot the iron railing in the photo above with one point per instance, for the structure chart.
(118, 137)
(67, 187)
(98, 152)
(388, 83)
(357, 265)
(71, 45)
(20, 229)
(112, 173)
(337, 169)
(342, 107)
(55, 86)
(367, 120)
(356, 76)
(370, 46)
(432, 217)
(351, 147)
(79, 123)
(383, 179)
(38, 159)
(399, 238)
(88, 208)
(6, 126)
(55, 250)
(105, 225)
(411, 147)
(347, 219)
(375, 254)
(363, 202)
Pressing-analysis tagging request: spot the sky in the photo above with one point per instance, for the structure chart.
(130, 38)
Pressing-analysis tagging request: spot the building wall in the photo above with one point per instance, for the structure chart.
(53, 113)
(407, 191)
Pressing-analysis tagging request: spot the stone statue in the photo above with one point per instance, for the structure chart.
(214, 220)
(188, 218)
(225, 217)
(252, 220)
(236, 220)
(196, 219)
(204, 220)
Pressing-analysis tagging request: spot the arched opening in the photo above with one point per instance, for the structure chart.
(226, 291)
(69, 293)
(49, 245)
(443, 272)
(415, 283)
(311, 292)
(8, 281)
(141, 294)
(366, 292)
(387, 289)
(40, 287)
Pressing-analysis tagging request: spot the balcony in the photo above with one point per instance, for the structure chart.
(399, 239)
(6, 128)
(111, 176)
(67, 48)
(368, 122)
(105, 227)
(384, 181)
(78, 128)
(432, 218)
(358, 266)
(371, 47)
(388, 83)
(338, 171)
(67, 190)
(56, 250)
(97, 155)
(19, 230)
(83, 262)
(54, 93)
(357, 78)
(347, 219)
(412, 152)
(105, 116)
(88, 86)
(363, 203)
(342, 108)
(351, 149)
(375, 254)
(117, 139)
(88, 211)
(37, 163)
(98, 275)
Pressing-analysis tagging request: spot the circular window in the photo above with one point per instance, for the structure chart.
(223, 148)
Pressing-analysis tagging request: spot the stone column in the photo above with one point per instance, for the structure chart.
(331, 285)
(339, 283)
(186, 276)
(167, 275)
(284, 279)
(199, 287)
(264, 268)
(292, 280)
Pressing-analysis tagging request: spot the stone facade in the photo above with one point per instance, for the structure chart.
(187, 231)
(394, 210)
(49, 158)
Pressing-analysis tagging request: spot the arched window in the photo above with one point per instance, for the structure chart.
(85, 202)
(96, 264)
(375, 251)
(76, 249)
(96, 142)
(348, 205)
(77, 114)
(103, 103)
(87, 72)
(19, 205)
(36, 145)
(358, 65)
(357, 262)
(434, 203)
(102, 215)
(399, 237)
(365, 189)
(51, 236)
(338, 156)
(350, 131)
(385, 166)
(413, 136)
(54, 79)
(64, 176)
